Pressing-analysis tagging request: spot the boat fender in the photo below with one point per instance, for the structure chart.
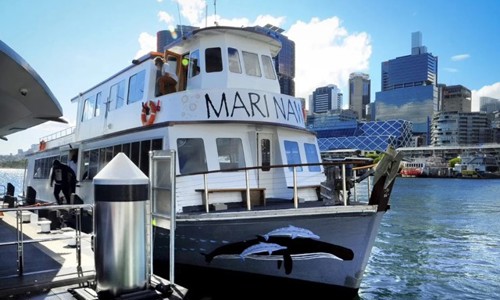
(148, 109)
(42, 145)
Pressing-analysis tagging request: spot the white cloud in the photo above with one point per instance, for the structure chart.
(451, 70)
(147, 43)
(165, 17)
(492, 91)
(460, 57)
(326, 53)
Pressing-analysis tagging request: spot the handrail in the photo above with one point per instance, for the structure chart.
(20, 237)
(294, 178)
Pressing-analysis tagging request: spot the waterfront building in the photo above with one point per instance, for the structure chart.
(165, 37)
(326, 98)
(461, 128)
(489, 104)
(359, 94)
(455, 98)
(335, 133)
(449, 152)
(409, 89)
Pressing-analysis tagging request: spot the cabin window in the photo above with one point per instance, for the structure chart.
(312, 157)
(136, 87)
(267, 63)
(191, 154)
(96, 159)
(194, 63)
(89, 107)
(117, 95)
(292, 154)
(98, 103)
(43, 167)
(230, 151)
(213, 60)
(234, 60)
(251, 62)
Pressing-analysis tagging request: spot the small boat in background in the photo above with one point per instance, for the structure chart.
(477, 165)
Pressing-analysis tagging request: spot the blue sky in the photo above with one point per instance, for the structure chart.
(75, 44)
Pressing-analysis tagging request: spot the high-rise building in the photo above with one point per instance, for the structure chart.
(409, 89)
(326, 98)
(165, 37)
(359, 94)
(284, 62)
(455, 98)
(489, 105)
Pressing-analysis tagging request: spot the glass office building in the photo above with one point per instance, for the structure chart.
(409, 89)
(359, 93)
(368, 136)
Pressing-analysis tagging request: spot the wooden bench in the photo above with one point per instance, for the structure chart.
(257, 195)
(317, 187)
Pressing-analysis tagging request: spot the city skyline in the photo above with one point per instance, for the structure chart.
(75, 45)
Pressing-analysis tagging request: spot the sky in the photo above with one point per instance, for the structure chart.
(73, 45)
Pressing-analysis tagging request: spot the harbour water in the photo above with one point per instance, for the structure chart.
(439, 240)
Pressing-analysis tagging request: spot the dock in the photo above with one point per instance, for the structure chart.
(49, 265)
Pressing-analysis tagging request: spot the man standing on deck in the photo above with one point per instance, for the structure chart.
(65, 180)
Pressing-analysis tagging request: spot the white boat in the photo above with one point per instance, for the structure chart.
(25, 99)
(254, 207)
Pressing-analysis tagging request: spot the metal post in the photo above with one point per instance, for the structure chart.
(20, 242)
(354, 187)
(249, 206)
(205, 182)
(344, 191)
(295, 192)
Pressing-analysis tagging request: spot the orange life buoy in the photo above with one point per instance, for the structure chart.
(42, 145)
(148, 108)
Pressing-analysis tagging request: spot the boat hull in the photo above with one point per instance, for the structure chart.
(331, 258)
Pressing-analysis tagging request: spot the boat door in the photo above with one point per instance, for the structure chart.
(265, 158)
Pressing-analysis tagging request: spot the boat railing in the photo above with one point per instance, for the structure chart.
(331, 170)
(74, 209)
(58, 134)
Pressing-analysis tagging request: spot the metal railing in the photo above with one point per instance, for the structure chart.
(348, 182)
(20, 241)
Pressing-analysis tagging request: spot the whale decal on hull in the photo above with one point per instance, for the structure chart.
(282, 245)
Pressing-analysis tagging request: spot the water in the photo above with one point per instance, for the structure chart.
(14, 176)
(439, 240)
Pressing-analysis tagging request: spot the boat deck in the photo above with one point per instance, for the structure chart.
(50, 269)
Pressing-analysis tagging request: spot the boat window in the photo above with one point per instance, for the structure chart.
(88, 108)
(234, 60)
(98, 103)
(194, 63)
(292, 154)
(117, 95)
(213, 60)
(191, 154)
(230, 151)
(136, 87)
(251, 62)
(265, 149)
(95, 160)
(267, 63)
(43, 166)
(312, 157)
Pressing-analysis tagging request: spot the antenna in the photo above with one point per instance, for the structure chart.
(180, 20)
(215, 13)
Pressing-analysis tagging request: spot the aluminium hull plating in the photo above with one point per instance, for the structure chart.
(327, 251)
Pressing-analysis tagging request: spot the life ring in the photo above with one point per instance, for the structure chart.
(42, 145)
(148, 108)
